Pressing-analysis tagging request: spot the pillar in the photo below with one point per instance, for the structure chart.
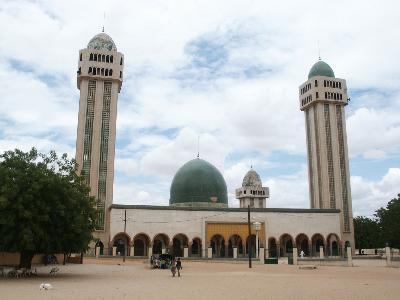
(321, 252)
(349, 257)
(150, 251)
(235, 252)
(163, 250)
(257, 254)
(132, 253)
(295, 253)
(185, 252)
(262, 255)
(97, 252)
(209, 252)
(388, 258)
(114, 251)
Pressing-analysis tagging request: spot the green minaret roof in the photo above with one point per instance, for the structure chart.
(199, 184)
(321, 68)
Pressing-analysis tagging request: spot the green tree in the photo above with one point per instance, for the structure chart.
(389, 222)
(45, 206)
(366, 233)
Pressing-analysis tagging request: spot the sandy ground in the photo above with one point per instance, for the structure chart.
(205, 280)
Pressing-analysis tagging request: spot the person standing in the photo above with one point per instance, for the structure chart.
(173, 268)
(179, 266)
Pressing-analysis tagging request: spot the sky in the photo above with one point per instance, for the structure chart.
(225, 71)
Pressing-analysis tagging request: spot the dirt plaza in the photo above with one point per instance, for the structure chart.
(112, 279)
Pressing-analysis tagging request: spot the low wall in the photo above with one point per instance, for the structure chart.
(12, 259)
(322, 262)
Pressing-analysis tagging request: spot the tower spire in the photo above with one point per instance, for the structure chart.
(104, 20)
(319, 50)
(198, 146)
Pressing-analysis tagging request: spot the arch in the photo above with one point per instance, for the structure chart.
(272, 248)
(286, 244)
(235, 241)
(217, 242)
(99, 244)
(333, 244)
(121, 241)
(110, 72)
(98, 71)
(95, 57)
(179, 241)
(160, 243)
(141, 244)
(102, 71)
(106, 72)
(94, 71)
(251, 240)
(91, 56)
(107, 58)
(317, 240)
(302, 244)
(90, 70)
(195, 247)
(103, 58)
(111, 59)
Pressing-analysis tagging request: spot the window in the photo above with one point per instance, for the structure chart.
(111, 58)
(340, 96)
(316, 83)
(326, 97)
(103, 58)
(91, 57)
(110, 72)
(90, 70)
(120, 62)
(94, 71)
(106, 72)
(107, 58)
(80, 57)
(316, 95)
(324, 83)
(340, 85)
(95, 57)
(120, 74)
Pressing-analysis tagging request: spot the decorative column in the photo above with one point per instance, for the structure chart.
(150, 251)
(132, 253)
(257, 227)
(262, 254)
(349, 257)
(209, 253)
(114, 251)
(185, 252)
(235, 252)
(388, 258)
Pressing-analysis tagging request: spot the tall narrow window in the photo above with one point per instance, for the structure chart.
(111, 59)
(316, 95)
(91, 57)
(310, 162)
(80, 57)
(329, 153)
(316, 83)
(343, 170)
(120, 62)
(87, 138)
(318, 156)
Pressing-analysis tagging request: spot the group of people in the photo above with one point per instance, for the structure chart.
(176, 266)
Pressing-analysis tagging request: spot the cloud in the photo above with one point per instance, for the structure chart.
(228, 71)
(370, 195)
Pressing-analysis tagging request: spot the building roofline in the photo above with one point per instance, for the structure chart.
(228, 209)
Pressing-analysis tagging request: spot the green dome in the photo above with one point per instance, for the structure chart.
(321, 68)
(198, 183)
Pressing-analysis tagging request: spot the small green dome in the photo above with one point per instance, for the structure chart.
(321, 68)
(198, 184)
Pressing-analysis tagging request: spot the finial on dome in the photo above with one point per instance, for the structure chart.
(102, 29)
(198, 146)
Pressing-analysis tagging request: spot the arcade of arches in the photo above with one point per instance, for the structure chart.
(225, 240)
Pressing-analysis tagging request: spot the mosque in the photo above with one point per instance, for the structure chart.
(198, 221)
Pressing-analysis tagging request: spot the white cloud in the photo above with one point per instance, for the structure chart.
(370, 195)
(225, 70)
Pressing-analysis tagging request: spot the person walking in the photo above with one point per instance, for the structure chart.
(179, 266)
(173, 268)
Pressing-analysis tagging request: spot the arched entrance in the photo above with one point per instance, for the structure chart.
(179, 242)
(121, 241)
(141, 244)
(160, 243)
(272, 249)
(195, 249)
(218, 246)
(235, 241)
(252, 242)
(99, 245)
(317, 241)
(286, 244)
(302, 243)
(333, 245)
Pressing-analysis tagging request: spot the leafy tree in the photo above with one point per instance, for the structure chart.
(45, 206)
(366, 233)
(389, 222)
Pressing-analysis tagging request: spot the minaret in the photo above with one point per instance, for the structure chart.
(99, 79)
(252, 192)
(323, 98)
